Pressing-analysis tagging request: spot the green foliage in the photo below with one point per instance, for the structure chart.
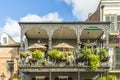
(55, 54)
(103, 52)
(58, 56)
(109, 77)
(102, 78)
(91, 56)
(63, 56)
(24, 54)
(85, 53)
(94, 61)
(37, 54)
(103, 55)
(16, 79)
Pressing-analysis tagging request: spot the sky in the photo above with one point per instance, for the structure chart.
(14, 11)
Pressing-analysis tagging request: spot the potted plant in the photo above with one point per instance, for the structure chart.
(103, 55)
(36, 55)
(24, 55)
(55, 55)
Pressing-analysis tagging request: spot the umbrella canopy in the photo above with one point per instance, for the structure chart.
(36, 46)
(63, 46)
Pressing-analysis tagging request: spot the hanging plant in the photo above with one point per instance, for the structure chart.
(94, 61)
(84, 56)
(109, 77)
(103, 55)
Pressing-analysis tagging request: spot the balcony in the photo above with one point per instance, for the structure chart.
(88, 59)
(62, 67)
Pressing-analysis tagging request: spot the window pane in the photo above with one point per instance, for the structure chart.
(118, 18)
(5, 40)
(112, 27)
(117, 59)
(118, 26)
(107, 18)
(112, 18)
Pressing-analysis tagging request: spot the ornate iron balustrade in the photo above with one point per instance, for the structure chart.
(81, 66)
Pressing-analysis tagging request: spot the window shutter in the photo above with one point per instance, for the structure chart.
(117, 58)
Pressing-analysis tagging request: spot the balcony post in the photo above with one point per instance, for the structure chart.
(50, 43)
(50, 75)
(78, 41)
(50, 39)
(78, 75)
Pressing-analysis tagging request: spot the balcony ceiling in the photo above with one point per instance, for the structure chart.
(63, 33)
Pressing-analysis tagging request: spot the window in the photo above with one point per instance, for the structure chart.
(112, 19)
(117, 58)
(10, 66)
(118, 22)
(5, 40)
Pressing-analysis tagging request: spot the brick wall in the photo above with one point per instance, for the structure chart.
(7, 54)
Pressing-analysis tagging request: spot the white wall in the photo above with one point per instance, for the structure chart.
(1, 38)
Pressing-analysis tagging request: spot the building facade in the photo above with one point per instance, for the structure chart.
(109, 10)
(9, 49)
(73, 33)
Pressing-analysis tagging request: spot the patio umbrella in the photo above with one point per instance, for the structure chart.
(36, 46)
(63, 46)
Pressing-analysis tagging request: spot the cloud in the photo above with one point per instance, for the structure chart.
(13, 29)
(81, 8)
(49, 17)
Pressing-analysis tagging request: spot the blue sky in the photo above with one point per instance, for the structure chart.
(19, 8)
(12, 11)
